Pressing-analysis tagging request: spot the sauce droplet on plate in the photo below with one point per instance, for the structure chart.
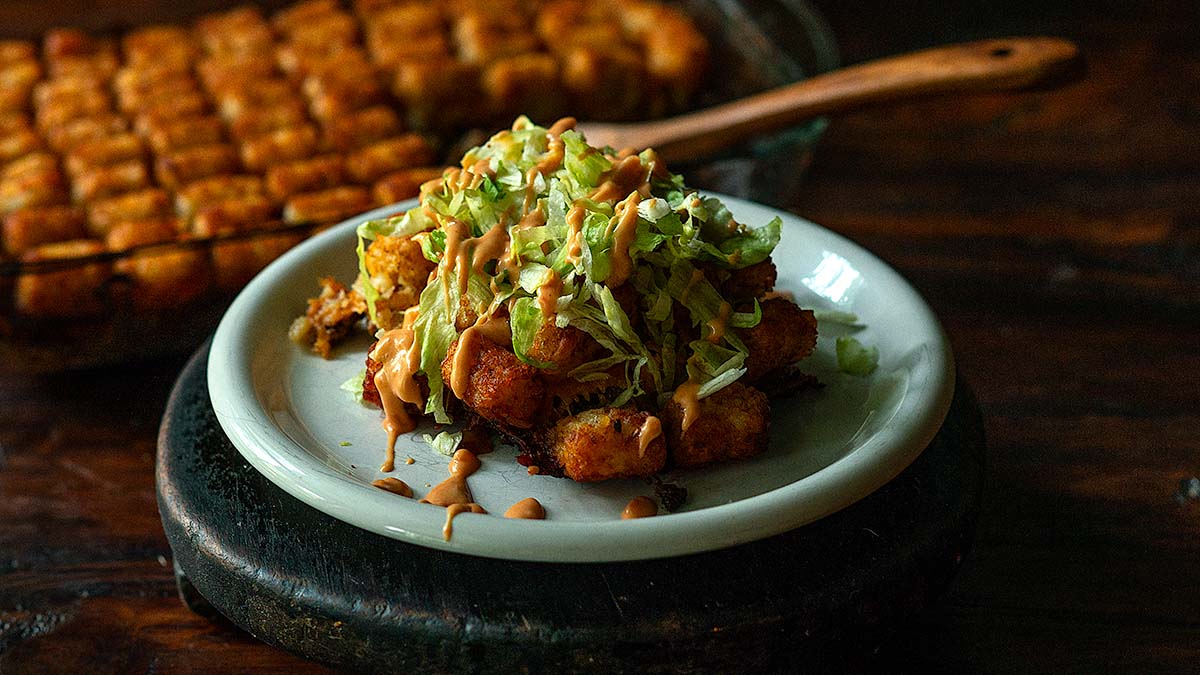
(528, 508)
(639, 507)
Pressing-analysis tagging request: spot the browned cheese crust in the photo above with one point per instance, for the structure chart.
(602, 443)
(732, 424)
(500, 388)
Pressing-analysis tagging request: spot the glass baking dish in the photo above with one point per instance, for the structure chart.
(755, 46)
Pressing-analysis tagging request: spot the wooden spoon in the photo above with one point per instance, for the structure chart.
(986, 65)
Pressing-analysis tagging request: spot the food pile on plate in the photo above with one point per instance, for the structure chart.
(582, 303)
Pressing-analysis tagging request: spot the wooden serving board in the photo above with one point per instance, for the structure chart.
(821, 596)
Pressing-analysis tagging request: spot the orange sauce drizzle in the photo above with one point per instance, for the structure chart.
(626, 217)
(398, 350)
(454, 493)
(717, 324)
(685, 396)
(460, 370)
(575, 238)
(548, 292)
(650, 430)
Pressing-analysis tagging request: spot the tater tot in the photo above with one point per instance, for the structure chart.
(59, 42)
(302, 13)
(586, 70)
(234, 215)
(253, 123)
(367, 9)
(171, 108)
(676, 57)
(65, 137)
(187, 132)
(78, 291)
(17, 50)
(133, 79)
(219, 73)
(238, 31)
(399, 271)
(186, 165)
(105, 181)
(155, 95)
(19, 75)
(104, 151)
(733, 423)
(389, 51)
(568, 24)
(64, 89)
(159, 279)
(562, 349)
(500, 387)
(407, 31)
(525, 84)
(34, 182)
(306, 175)
(32, 167)
(101, 65)
(750, 282)
(17, 143)
(373, 161)
(481, 41)
(403, 184)
(279, 146)
(230, 20)
(297, 61)
(84, 103)
(27, 228)
(334, 28)
(783, 336)
(232, 103)
(604, 443)
(362, 127)
(147, 204)
(236, 262)
(14, 121)
(344, 100)
(159, 45)
(327, 206)
(205, 191)
(13, 100)
(429, 87)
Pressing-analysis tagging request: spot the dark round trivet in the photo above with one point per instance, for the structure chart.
(814, 598)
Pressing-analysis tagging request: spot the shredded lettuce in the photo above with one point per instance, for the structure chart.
(445, 443)
(354, 385)
(525, 319)
(855, 359)
(835, 316)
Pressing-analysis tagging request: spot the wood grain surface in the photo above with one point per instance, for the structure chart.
(1057, 236)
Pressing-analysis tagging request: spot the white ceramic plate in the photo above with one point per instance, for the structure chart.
(282, 407)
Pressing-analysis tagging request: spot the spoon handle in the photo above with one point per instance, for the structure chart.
(985, 65)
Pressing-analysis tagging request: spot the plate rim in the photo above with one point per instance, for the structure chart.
(748, 519)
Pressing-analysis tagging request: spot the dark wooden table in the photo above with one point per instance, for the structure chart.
(1057, 235)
